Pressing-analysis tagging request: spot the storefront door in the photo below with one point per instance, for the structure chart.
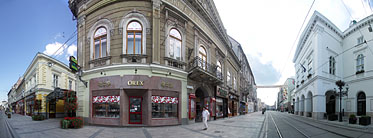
(135, 111)
(52, 109)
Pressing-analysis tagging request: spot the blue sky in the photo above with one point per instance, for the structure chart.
(28, 26)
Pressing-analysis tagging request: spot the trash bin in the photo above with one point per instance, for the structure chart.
(9, 115)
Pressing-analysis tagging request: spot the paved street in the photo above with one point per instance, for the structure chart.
(4, 131)
(254, 125)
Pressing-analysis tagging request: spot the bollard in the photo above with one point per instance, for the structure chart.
(9, 115)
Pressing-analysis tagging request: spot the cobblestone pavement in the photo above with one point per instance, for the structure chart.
(4, 131)
(244, 126)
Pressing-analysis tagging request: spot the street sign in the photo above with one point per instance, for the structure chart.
(74, 64)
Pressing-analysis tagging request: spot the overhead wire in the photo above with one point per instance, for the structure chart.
(63, 45)
(296, 38)
(338, 54)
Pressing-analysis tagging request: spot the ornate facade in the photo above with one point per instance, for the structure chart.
(160, 61)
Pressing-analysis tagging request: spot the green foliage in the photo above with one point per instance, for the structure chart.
(71, 122)
(71, 103)
(38, 117)
(352, 116)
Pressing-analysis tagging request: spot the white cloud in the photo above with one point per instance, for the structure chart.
(267, 31)
(50, 49)
(64, 51)
(71, 50)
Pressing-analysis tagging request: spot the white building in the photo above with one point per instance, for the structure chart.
(325, 55)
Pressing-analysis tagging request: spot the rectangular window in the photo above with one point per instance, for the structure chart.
(130, 41)
(360, 40)
(103, 46)
(106, 106)
(97, 49)
(164, 107)
(55, 80)
(138, 43)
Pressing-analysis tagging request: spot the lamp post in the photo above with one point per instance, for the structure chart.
(341, 93)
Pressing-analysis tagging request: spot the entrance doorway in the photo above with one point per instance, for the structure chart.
(52, 109)
(135, 110)
(330, 103)
(361, 104)
(200, 100)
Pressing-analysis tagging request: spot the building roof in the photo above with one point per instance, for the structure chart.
(38, 55)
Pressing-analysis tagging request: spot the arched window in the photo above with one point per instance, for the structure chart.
(361, 104)
(360, 62)
(229, 78)
(100, 43)
(134, 38)
(175, 44)
(331, 65)
(202, 57)
(218, 69)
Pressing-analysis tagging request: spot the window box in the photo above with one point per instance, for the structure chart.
(364, 120)
(100, 61)
(361, 71)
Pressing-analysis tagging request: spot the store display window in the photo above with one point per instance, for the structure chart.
(164, 107)
(106, 106)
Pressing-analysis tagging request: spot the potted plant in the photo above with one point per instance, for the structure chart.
(352, 119)
(364, 120)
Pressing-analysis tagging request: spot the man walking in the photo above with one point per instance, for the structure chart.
(205, 116)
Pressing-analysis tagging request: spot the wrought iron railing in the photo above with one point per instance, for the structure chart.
(174, 63)
(197, 62)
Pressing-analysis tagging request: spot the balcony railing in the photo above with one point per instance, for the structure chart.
(174, 63)
(201, 66)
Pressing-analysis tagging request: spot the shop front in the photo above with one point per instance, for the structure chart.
(30, 104)
(55, 103)
(221, 102)
(20, 107)
(233, 104)
(135, 100)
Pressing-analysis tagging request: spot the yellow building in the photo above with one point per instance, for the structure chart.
(42, 77)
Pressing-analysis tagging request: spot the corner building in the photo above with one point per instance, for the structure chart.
(152, 62)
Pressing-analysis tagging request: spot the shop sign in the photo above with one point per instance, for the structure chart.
(166, 85)
(135, 83)
(221, 92)
(104, 84)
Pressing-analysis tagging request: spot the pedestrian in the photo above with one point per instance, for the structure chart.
(205, 116)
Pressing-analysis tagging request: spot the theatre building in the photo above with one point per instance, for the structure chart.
(153, 62)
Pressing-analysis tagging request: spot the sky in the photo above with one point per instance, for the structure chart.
(266, 29)
(29, 27)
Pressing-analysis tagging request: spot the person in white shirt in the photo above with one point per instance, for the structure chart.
(205, 116)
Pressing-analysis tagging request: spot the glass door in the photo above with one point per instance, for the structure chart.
(135, 110)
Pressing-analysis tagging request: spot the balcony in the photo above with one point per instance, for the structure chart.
(200, 70)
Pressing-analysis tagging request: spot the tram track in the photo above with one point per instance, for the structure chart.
(284, 117)
(280, 134)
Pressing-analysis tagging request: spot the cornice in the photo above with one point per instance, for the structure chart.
(316, 17)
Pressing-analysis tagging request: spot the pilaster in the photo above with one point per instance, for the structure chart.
(156, 31)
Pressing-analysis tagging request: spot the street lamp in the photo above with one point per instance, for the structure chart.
(341, 93)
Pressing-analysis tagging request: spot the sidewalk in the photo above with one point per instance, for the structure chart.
(244, 126)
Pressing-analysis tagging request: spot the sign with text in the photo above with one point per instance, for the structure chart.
(74, 64)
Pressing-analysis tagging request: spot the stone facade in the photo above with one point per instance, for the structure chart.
(190, 57)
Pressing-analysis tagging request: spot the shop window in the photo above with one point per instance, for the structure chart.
(164, 107)
(106, 106)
